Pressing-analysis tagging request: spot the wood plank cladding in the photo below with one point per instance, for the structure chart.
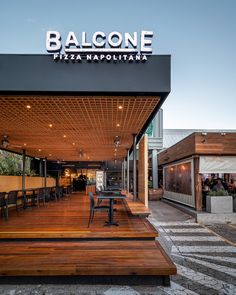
(205, 143)
(180, 150)
(215, 143)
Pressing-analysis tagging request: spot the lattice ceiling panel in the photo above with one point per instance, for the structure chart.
(78, 123)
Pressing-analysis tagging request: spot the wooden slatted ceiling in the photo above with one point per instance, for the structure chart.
(87, 123)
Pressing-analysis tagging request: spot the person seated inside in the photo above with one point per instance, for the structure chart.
(218, 185)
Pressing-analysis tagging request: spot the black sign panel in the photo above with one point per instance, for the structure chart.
(42, 74)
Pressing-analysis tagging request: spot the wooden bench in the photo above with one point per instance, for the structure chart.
(136, 207)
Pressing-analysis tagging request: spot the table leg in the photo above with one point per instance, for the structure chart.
(110, 220)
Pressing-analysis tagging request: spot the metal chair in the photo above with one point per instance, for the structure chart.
(53, 194)
(41, 196)
(67, 191)
(12, 199)
(94, 208)
(3, 204)
(59, 192)
(47, 191)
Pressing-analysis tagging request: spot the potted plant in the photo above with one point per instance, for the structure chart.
(219, 202)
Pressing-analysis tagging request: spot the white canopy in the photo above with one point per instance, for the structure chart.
(217, 164)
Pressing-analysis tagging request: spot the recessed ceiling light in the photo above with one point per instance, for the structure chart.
(115, 150)
(39, 150)
(117, 125)
(50, 155)
(50, 125)
(25, 144)
(64, 136)
(120, 107)
(28, 106)
(73, 143)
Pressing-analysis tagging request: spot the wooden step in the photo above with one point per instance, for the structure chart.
(136, 207)
(82, 258)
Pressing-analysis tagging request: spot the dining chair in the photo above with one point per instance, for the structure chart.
(94, 208)
(47, 191)
(3, 204)
(53, 194)
(59, 192)
(41, 196)
(12, 199)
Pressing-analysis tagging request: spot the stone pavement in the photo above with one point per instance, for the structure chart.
(206, 262)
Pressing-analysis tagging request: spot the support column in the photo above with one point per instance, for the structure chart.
(124, 187)
(143, 170)
(154, 169)
(134, 168)
(127, 171)
(41, 167)
(197, 185)
(122, 175)
(45, 172)
(23, 170)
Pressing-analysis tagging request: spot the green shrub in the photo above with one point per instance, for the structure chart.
(218, 193)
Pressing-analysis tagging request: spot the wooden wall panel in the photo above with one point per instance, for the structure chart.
(180, 150)
(8, 183)
(200, 143)
(217, 143)
(143, 171)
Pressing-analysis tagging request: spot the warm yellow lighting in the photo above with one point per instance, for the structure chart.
(115, 150)
(120, 107)
(50, 155)
(39, 150)
(50, 125)
(25, 144)
(28, 107)
(117, 125)
(73, 143)
(64, 136)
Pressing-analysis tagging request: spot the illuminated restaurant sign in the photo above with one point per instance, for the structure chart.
(111, 47)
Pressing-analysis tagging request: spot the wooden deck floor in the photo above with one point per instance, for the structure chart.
(55, 241)
(68, 218)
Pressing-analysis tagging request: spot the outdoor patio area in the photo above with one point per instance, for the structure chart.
(55, 240)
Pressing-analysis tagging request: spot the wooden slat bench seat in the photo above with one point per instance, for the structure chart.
(61, 258)
(136, 207)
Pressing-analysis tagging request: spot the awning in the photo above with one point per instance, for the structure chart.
(217, 164)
